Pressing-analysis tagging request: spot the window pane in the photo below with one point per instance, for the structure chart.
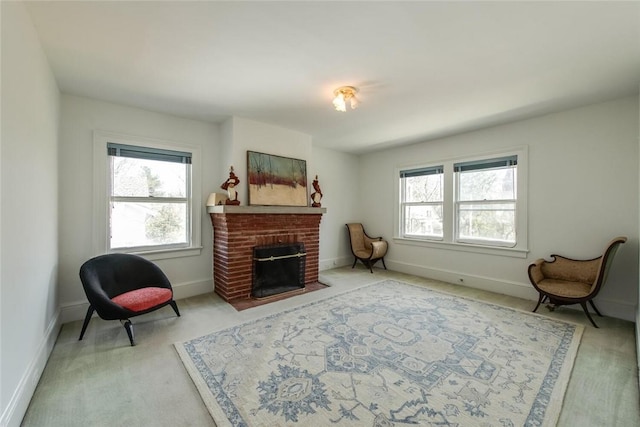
(424, 220)
(425, 188)
(487, 184)
(148, 224)
(148, 178)
(487, 221)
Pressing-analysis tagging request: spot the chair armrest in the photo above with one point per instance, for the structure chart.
(368, 239)
(379, 249)
(535, 271)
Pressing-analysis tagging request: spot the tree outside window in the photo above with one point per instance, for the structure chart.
(422, 202)
(486, 205)
(149, 198)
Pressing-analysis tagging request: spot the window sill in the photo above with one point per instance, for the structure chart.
(463, 247)
(153, 255)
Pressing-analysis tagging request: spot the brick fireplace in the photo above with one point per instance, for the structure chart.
(238, 229)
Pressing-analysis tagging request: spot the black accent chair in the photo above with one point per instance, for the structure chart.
(367, 249)
(120, 286)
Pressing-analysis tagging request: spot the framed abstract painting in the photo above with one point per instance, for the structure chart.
(276, 180)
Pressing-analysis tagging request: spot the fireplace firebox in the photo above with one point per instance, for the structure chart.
(278, 269)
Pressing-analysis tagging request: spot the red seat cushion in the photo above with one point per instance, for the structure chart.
(143, 299)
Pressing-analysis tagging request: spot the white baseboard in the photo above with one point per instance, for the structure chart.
(17, 407)
(619, 309)
(515, 289)
(608, 307)
(73, 311)
(328, 264)
(191, 289)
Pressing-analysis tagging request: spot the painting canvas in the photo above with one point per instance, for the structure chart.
(276, 181)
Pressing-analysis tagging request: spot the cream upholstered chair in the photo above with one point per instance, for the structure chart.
(565, 281)
(364, 248)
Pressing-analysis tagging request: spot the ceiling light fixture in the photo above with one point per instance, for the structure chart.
(344, 94)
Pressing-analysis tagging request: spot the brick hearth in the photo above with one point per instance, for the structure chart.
(238, 229)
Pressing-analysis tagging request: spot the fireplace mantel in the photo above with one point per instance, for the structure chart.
(295, 210)
(238, 229)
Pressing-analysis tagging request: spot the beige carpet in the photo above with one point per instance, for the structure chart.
(386, 354)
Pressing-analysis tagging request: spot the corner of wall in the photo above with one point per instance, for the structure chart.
(19, 401)
(226, 146)
(638, 306)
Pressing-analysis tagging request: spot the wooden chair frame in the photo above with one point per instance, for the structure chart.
(566, 281)
(365, 248)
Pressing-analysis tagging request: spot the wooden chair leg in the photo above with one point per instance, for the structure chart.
(87, 319)
(354, 263)
(383, 264)
(594, 307)
(584, 307)
(540, 299)
(370, 265)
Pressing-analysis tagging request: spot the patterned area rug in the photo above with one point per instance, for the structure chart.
(387, 354)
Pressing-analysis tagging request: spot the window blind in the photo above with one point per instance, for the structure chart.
(135, 152)
(432, 170)
(500, 162)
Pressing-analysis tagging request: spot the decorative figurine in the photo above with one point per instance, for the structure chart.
(230, 186)
(316, 196)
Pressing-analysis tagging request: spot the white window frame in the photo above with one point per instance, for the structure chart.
(102, 195)
(458, 203)
(449, 240)
(405, 204)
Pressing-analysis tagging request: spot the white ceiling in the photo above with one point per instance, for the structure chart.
(424, 69)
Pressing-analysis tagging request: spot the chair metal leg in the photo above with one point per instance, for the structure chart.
(354, 263)
(129, 328)
(175, 307)
(383, 264)
(594, 307)
(87, 318)
(584, 307)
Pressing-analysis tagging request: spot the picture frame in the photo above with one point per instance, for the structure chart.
(276, 180)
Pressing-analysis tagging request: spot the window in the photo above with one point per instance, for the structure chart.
(485, 201)
(149, 197)
(151, 204)
(422, 199)
(472, 204)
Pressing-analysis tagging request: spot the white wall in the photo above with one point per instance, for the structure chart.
(242, 135)
(583, 191)
(337, 175)
(29, 213)
(338, 178)
(79, 118)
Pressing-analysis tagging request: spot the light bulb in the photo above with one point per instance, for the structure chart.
(338, 102)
